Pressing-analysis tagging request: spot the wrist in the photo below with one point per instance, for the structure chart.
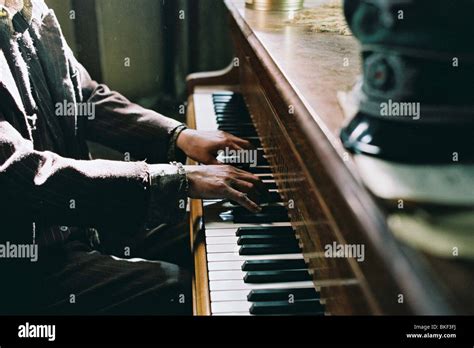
(183, 139)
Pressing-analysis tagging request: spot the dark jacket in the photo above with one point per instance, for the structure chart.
(47, 179)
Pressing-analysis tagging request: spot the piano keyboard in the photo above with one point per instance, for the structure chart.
(254, 261)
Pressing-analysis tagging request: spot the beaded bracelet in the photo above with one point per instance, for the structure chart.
(182, 171)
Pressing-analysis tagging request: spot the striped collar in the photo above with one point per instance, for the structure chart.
(12, 6)
(29, 9)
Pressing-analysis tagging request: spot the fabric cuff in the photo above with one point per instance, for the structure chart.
(168, 195)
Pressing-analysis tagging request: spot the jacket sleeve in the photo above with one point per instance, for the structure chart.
(127, 127)
(53, 190)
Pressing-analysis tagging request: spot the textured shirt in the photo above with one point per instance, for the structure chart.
(49, 186)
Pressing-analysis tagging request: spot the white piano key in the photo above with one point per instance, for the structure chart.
(231, 306)
(225, 266)
(232, 314)
(226, 275)
(217, 223)
(235, 295)
(205, 114)
(219, 296)
(222, 240)
(217, 285)
(229, 232)
(223, 248)
(234, 256)
(211, 201)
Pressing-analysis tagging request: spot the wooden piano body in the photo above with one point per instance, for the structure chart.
(290, 77)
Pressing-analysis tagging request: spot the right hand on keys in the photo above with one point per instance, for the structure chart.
(226, 182)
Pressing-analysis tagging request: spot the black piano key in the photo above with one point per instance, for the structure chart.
(266, 198)
(262, 161)
(231, 112)
(243, 132)
(273, 265)
(300, 307)
(272, 197)
(231, 118)
(259, 169)
(255, 142)
(225, 93)
(239, 133)
(268, 249)
(229, 101)
(226, 120)
(231, 124)
(251, 231)
(277, 210)
(283, 295)
(234, 124)
(234, 96)
(280, 276)
(236, 127)
(235, 99)
(259, 218)
(266, 239)
(229, 104)
(266, 177)
(270, 185)
(226, 98)
(221, 105)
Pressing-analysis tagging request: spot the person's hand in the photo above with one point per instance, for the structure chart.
(204, 146)
(226, 182)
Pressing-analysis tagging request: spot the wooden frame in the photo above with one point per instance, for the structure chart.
(354, 216)
(227, 76)
(200, 281)
(331, 202)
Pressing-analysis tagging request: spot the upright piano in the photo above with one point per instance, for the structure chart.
(280, 93)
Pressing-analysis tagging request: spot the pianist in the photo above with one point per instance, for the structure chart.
(55, 196)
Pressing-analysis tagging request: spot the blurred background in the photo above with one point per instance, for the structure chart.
(146, 48)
